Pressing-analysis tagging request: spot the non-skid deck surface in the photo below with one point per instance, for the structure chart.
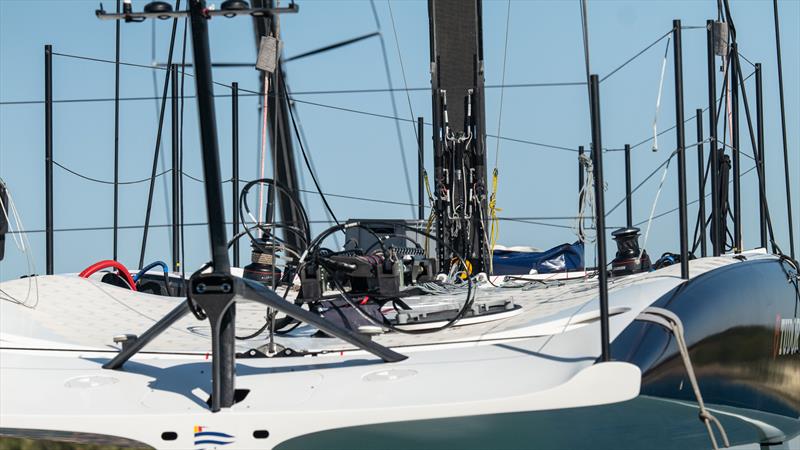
(86, 314)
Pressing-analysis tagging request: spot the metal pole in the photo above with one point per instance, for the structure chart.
(681, 148)
(600, 213)
(762, 214)
(757, 153)
(116, 139)
(581, 182)
(204, 84)
(737, 163)
(235, 166)
(716, 241)
(176, 174)
(208, 138)
(783, 128)
(701, 182)
(421, 167)
(48, 157)
(628, 199)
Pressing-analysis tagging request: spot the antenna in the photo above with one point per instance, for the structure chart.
(217, 291)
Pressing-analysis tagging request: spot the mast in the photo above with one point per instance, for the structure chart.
(459, 134)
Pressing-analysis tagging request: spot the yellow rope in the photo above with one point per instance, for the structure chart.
(428, 187)
(432, 216)
(428, 227)
(494, 229)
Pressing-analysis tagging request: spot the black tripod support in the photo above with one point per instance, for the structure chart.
(217, 292)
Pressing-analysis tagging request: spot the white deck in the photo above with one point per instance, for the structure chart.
(80, 313)
(543, 358)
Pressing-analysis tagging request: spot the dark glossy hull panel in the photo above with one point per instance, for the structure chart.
(641, 423)
(737, 322)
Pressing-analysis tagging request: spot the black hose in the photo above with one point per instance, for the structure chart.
(461, 313)
(304, 232)
(305, 159)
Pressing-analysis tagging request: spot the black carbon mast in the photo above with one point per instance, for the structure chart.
(459, 135)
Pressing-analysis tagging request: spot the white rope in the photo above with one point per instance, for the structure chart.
(586, 198)
(672, 322)
(658, 99)
(262, 159)
(655, 201)
(23, 244)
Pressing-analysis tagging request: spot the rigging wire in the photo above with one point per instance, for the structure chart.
(162, 155)
(303, 141)
(650, 138)
(494, 226)
(655, 200)
(97, 180)
(353, 91)
(657, 216)
(530, 220)
(308, 164)
(321, 105)
(294, 93)
(585, 34)
(402, 68)
(393, 101)
(158, 138)
(783, 127)
(638, 54)
(502, 82)
(650, 175)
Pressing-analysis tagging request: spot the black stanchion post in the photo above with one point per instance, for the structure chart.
(235, 166)
(628, 197)
(48, 157)
(733, 71)
(421, 168)
(115, 237)
(681, 148)
(701, 182)
(176, 174)
(581, 181)
(716, 233)
(600, 213)
(762, 214)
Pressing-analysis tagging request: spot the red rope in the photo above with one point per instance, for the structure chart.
(123, 272)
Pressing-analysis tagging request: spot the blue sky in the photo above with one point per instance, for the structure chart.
(357, 154)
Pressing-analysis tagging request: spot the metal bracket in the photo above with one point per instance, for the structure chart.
(208, 13)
